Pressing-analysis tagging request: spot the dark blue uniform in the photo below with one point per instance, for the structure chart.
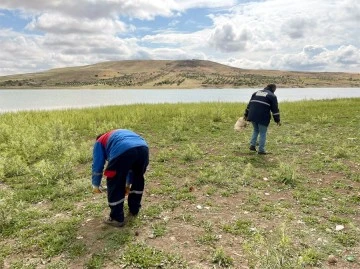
(260, 105)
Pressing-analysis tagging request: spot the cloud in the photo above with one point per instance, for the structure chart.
(141, 9)
(187, 4)
(310, 58)
(348, 55)
(319, 58)
(173, 38)
(59, 24)
(297, 27)
(306, 35)
(15, 59)
(350, 10)
(228, 38)
(92, 9)
(313, 50)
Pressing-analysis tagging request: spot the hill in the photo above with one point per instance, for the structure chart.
(149, 74)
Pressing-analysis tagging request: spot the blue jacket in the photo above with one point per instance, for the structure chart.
(260, 105)
(111, 145)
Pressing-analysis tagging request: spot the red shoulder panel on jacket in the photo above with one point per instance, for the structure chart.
(104, 138)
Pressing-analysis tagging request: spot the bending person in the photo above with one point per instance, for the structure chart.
(125, 151)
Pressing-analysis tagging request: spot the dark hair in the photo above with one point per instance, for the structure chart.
(271, 87)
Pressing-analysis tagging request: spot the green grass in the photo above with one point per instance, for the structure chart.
(208, 202)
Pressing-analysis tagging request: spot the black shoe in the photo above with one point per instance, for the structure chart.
(252, 148)
(262, 153)
(114, 223)
(133, 214)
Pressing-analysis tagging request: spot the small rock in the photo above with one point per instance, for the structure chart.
(350, 258)
(332, 259)
(151, 236)
(265, 179)
(339, 227)
(199, 207)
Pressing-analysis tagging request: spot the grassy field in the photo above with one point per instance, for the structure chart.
(181, 74)
(208, 202)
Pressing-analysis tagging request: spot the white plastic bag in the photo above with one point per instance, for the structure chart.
(240, 124)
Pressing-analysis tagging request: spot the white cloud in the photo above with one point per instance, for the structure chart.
(348, 55)
(187, 4)
(172, 38)
(297, 27)
(306, 35)
(228, 38)
(57, 23)
(319, 58)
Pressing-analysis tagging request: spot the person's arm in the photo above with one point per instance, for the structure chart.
(98, 164)
(275, 110)
(246, 113)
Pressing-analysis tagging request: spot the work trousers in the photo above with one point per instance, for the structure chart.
(135, 159)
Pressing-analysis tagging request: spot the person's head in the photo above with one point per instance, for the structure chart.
(271, 87)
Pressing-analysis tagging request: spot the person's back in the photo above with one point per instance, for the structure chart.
(122, 140)
(260, 105)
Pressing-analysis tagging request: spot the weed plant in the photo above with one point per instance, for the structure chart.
(209, 202)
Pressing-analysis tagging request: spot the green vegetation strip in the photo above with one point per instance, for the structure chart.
(209, 201)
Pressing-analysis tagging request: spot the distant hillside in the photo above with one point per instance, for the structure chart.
(148, 74)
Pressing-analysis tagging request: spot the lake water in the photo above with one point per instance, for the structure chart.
(19, 100)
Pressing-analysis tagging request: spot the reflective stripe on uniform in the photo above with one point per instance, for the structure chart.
(261, 102)
(276, 114)
(136, 192)
(118, 202)
(97, 174)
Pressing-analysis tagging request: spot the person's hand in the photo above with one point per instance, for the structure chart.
(278, 123)
(96, 189)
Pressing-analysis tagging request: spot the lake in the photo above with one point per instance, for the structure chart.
(30, 99)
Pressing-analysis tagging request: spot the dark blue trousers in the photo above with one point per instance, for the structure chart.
(136, 160)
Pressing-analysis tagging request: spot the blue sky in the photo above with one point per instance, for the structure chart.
(307, 35)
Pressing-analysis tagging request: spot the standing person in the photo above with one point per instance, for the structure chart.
(127, 153)
(258, 111)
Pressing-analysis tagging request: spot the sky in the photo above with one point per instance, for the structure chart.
(306, 35)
